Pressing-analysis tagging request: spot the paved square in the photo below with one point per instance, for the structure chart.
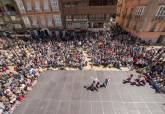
(62, 92)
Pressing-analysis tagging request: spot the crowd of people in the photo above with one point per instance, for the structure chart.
(118, 48)
(115, 48)
(28, 58)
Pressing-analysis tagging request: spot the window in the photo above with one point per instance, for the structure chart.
(29, 5)
(80, 17)
(140, 10)
(71, 4)
(34, 20)
(57, 20)
(49, 20)
(42, 20)
(68, 18)
(160, 13)
(55, 5)
(13, 18)
(46, 5)
(26, 21)
(96, 17)
(20, 6)
(76, 17)
(37, 5)
(84, 17)
(69, 25)
(67, 5)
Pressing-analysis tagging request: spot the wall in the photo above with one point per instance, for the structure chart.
(40, 13)
(146, 27)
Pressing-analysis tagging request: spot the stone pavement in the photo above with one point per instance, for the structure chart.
(62, 92)
(98, 68)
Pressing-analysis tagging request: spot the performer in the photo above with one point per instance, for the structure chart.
(90, 87)
(128, 80)
(105, 83)
(97, 84)
(94, 86)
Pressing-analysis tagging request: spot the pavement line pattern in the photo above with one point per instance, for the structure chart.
(62, 92)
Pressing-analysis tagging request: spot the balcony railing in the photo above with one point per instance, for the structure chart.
(159, 18)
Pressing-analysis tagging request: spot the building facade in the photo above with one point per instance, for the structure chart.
(40, 13)
(18, 14)
(144, 18)
(9, 16)
(85, 14)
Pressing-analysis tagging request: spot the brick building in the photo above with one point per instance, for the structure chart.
(145, 18)
(40, 13)
(56, 13)
(87, 13)
(9, 16)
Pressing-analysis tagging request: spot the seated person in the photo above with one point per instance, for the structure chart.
(92, 87)
(156, 84)
(98, 85)
(142, 81)
(162, 88)
(128, 80)
(136, 81)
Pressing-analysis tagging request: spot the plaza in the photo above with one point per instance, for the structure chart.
(62, 92)
(82, 57)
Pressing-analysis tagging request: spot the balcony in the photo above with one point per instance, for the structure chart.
(91, 10)
(156, 18)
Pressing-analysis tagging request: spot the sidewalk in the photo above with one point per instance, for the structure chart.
(97, 68)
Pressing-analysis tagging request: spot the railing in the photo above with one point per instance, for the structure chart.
(159, 18)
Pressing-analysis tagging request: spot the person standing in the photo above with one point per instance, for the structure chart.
(105, 83)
